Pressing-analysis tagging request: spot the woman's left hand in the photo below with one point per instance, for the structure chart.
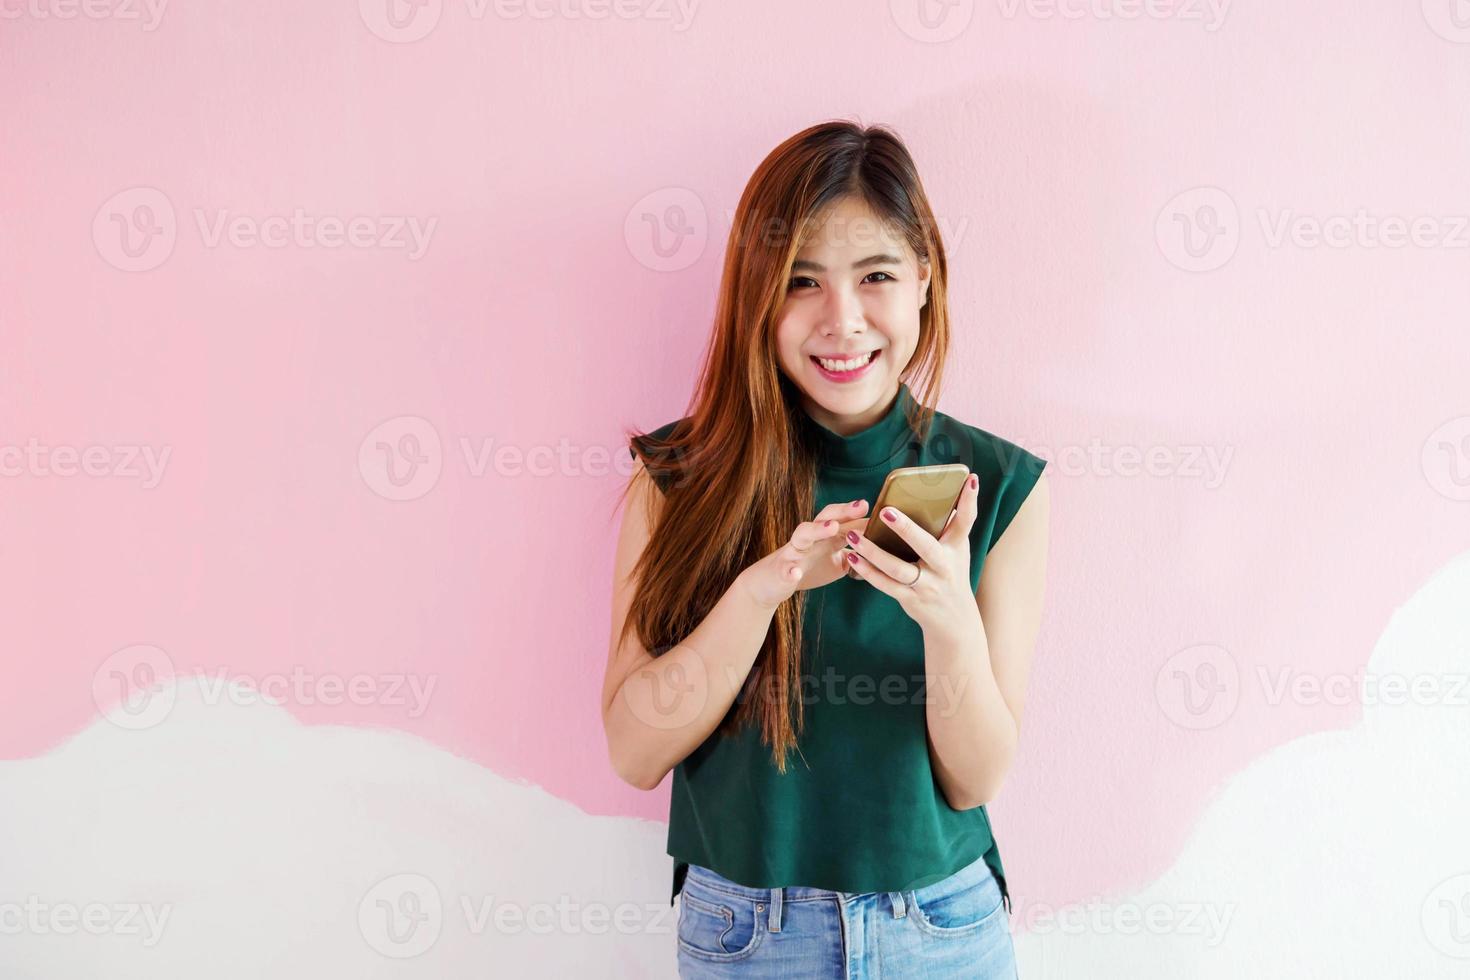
(940, 600)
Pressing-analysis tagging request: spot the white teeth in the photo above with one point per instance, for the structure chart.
(849, 365)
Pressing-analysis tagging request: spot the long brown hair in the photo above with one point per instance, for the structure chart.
(742, 472)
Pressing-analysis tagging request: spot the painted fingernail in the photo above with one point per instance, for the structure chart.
(974, 481)
(856, 503)
(852, 557)
(852, 537)
(826, 523)
(889, 515)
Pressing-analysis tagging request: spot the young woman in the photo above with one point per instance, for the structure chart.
(835, 718)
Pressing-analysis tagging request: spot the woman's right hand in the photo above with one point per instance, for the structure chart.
(812, 558)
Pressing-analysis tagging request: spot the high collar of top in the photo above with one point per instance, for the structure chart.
(872, 446)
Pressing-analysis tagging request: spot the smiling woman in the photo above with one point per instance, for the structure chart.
(730, 596)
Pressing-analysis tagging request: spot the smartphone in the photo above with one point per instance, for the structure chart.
(926, 494)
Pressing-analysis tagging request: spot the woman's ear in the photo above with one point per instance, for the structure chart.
(924, 280)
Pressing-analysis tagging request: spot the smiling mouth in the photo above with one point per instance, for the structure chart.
(850, 365)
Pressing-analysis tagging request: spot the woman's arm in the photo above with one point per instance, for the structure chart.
(978, 672)
(656, 710)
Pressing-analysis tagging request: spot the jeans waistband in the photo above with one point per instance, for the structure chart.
(969, 875)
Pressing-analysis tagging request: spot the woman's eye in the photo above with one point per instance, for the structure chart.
(797, 281)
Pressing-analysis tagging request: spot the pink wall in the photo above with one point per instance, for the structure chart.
(533, 310)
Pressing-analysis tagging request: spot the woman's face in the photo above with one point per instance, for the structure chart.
(854, 295)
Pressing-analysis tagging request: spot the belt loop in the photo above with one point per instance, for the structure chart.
(775, 918)
(899, 911)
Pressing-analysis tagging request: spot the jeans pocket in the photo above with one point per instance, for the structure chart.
(716, 926)
(959, 912)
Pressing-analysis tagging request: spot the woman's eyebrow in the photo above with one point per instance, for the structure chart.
(883, 258)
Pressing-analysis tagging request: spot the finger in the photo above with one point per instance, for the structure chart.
(874, 576)
(843, 510)
(808, 533)
(842, 514)
(889, 564)
(963, 518)
(859, 525)
(916, 537)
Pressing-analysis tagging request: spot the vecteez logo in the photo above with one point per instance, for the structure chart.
(1445, 459)
(666, 230)
(146, 13)
(1199, 229)
(136, 230)
(407, 21)
(401, 916)
(1199, 687)
(400, 21)
(1450, 19)
(401, 458)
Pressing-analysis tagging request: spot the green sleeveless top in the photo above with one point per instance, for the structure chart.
(859, 808)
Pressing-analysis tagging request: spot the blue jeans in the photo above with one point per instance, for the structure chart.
(953, 928)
